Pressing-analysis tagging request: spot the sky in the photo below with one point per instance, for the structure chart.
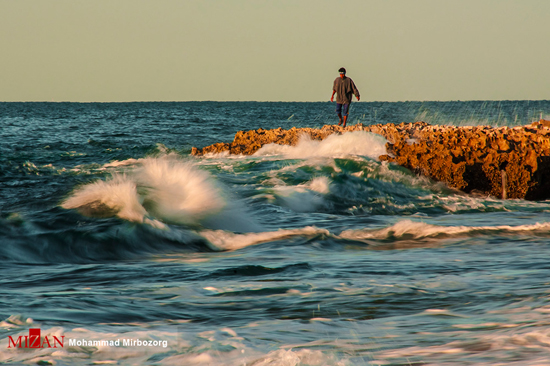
(273, 50)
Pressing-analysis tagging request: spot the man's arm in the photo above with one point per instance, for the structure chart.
(355, 90)
(334, 87)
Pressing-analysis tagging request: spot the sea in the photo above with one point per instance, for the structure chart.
(117, 246)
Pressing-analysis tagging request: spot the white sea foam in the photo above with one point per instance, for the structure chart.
(161, 190)
(307, 197)
(298, 199)
(350, 143)
(320, 184)
(178, 192)
(407, 229)
(230, 241)
(115, 197)
(118, 163)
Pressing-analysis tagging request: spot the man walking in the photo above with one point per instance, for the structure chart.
(344, 88)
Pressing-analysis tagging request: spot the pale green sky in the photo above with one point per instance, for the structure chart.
(273, 50)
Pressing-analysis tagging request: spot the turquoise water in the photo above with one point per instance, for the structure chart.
(317, 254)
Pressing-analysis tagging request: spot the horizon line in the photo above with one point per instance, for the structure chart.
(279, 101)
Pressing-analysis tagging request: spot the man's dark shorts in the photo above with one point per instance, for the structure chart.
(342, 109)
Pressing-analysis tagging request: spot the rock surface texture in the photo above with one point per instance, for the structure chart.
(501, 162)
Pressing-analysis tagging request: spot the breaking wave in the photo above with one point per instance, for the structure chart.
(351, 143)
(411, 230)
(160, 191)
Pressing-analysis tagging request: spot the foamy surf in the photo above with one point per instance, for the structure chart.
(402, 230)
(350, 143)
(307, 197)
(157, 191)
(407, 230)
(230, 241)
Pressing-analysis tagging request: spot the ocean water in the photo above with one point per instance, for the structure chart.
(317, 254)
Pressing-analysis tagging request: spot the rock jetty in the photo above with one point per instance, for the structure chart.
(500, 162)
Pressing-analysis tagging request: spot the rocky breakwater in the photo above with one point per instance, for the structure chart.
(248, 142)
(501, 162)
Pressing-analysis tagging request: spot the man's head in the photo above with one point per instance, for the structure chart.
(342, 72)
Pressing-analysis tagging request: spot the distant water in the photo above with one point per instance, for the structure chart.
(317, 254)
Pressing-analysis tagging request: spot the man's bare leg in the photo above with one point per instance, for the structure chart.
(345, 119)
(340, 118)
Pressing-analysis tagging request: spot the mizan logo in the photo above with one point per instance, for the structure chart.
(34, 340)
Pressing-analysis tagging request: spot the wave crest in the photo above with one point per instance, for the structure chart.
(351, 143)
(152, 190)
